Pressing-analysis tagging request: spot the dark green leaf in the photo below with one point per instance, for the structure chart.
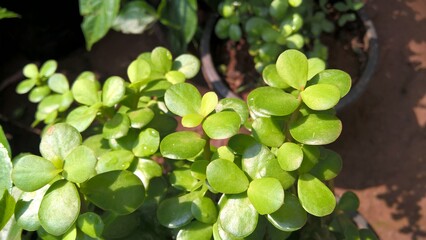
(316, 129)
(120, 192)
(270, 101)
(278, 8)
(315, 197)
(7, 207)
(31, 172)
(182, 145)
(59, 208)
(147, 169)
(311, 155)
(240, 142)
(199, 168)
(349, 202)
(291, 216)
(329, 165)
(176, 212)
(120, 227)
(98, 18)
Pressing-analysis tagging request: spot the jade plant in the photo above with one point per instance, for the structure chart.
(272, 26)
(114, 165)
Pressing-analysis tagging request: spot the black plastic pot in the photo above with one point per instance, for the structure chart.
(217, 84)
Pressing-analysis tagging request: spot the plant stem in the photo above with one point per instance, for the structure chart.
(207, 151)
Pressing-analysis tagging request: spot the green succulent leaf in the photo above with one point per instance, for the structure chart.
(182, 178)
(290, 216)
(295, 3)
(38, 93)
(85, 90)
(175, 77)
(272, 78)
(98, 144)
(139, 71)
(269, 131)
(195, 230)
(321, 96)
(32, 172)
(187, 64)
(116, 227)
(114, 160)
(209, 102)
(90, 224)
(82, 117)
(58, 141)
(316, 129)
(236, 105)
(315, 197)
(7, 206)
(222, 125)
(146, 170)
(182, 99)
(58, 83)
(79, 165)
(117, 127)
(161, 59)
(226, 177)
(290, 156)
(240, 142)
(175, 212)
(349, 202)
(67, 100)
(199, 168)
(48, 68)
(278, 8)
(237, 225)
(25, 86)
(192, 120)
(59, 208)
(30, 71)
(147, 143)
(98, 18)
(204, 210)
(329, 165)
(120, 192)
(5, 166)
(113, 91)
(266, 195)
(335, 77)
(292, 66)
(259, 162)
(315, 66)
(182, 145)
(27, 208)
(141, 117)
(270, 101)
(135, 17)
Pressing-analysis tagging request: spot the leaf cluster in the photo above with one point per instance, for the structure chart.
(115, 167)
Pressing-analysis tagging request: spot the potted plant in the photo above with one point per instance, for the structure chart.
(253, 34)
(113, 166)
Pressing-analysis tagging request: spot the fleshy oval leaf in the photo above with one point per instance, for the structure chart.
(187, 64)
(79, 164)
(117, 127)
(236, 105)
(176, 212)
(328, 166)
(290, 156)
(58, 83)
(182, 99)
(58, 141)
(114, 160)
(335, 77)
(81, 117)
(315, 65)
(270, 101)
(321, 96)
(222, 125)
(195, 230)
(269, 131)
(226, 177)
(292, 66)
(113, 91)
(147, 143)
(266, 195)
(243, 223)
(315, 197)
(120, 192)
(272, 78)
(316, 129)
(59, 208)
(90, 224)
(182, 145)
(290, 216)
(85, 90)
(204, 210)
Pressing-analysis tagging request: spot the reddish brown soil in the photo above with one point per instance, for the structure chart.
(384, 140)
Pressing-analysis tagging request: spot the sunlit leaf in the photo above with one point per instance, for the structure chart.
(225, 176)
(315, 197)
